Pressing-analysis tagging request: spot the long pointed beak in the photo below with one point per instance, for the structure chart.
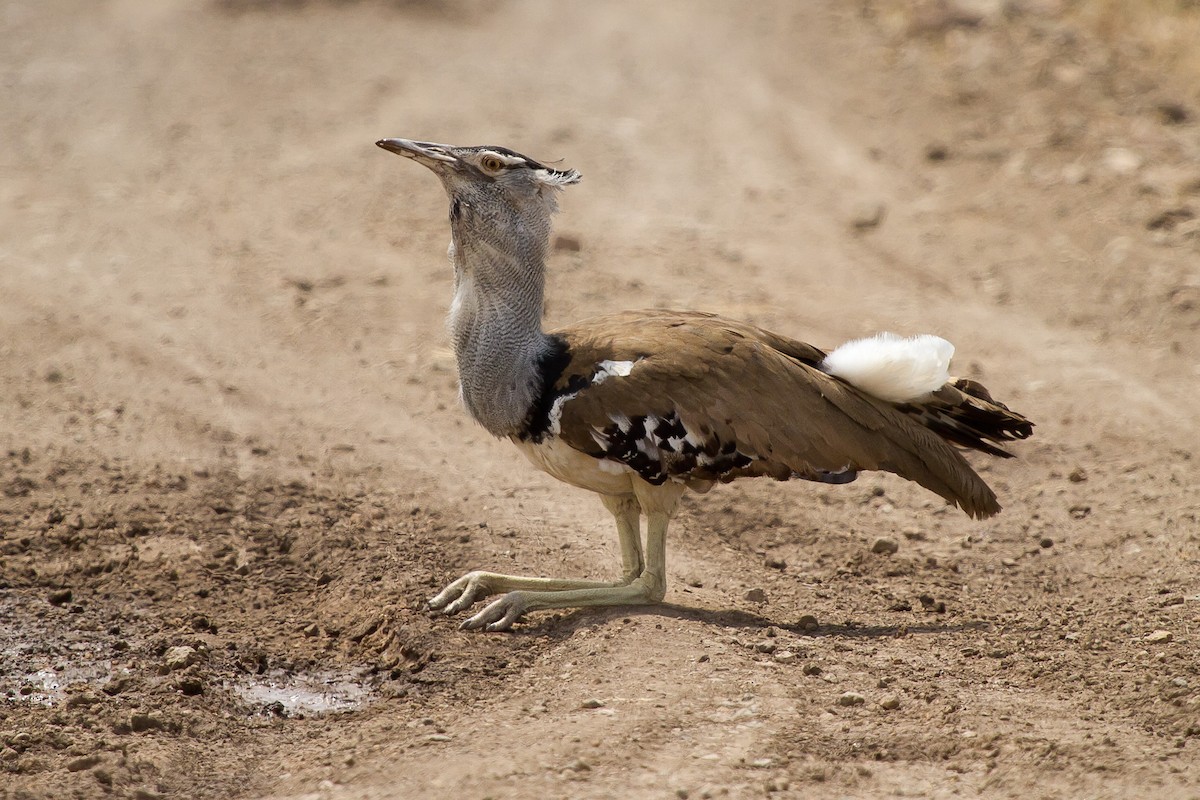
(427, 153)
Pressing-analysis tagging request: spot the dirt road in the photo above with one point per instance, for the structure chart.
(234, 466)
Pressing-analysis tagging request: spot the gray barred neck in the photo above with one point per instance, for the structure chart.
(496, 327)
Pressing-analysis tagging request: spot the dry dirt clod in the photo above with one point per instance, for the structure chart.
(82, 763)
(1077, 475)
(885, 547)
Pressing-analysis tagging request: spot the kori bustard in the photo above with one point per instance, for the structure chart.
(641, 406)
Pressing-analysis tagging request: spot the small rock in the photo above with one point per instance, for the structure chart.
(890, 702)
(180, 657)
(80, 764)
(1046, 542)
(311, 630)
(756, 596)
(1079, 511)
(1121, 160)
(785, 657)
(1078, 475)
(765, 647)
(9, 754)
(1159, 637)
(866, 216)
(579, 765)
(884, 546)
(851, 699)
(191, 686)
(1168, 219)
(807, 622)
(913, 534)
(776, 563)
(936, 151)
(437, 737)
(592, 703)
(60, 597)
(811, 669)
(1173, 113)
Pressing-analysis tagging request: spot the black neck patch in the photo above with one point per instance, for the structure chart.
(550, 367)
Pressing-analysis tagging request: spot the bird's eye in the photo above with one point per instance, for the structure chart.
(491, 163)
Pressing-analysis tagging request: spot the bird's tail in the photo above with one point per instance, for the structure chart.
(964, 413)
(912, 376)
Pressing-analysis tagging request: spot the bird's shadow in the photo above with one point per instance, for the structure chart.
(562, 627)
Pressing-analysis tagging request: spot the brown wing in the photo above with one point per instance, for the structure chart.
(705, 398)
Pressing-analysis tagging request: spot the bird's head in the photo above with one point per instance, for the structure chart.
(487, 180)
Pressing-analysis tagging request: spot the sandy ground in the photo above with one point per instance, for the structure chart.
(233, 466)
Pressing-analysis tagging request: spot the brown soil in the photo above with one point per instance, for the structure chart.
(228, 419)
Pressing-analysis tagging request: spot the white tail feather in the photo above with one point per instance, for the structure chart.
(892, 367)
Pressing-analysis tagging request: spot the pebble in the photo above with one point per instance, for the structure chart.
(866, 216)
(579, 765)
(785, 656)
(807, 623)
(890, 702)
(180, 657)
(885, 546)
(437, 737)
(1159, 637)
(756, 596)
(811, 669)
(1046, 542)
(776, 563)
(851, 699)
(1077, 475)
(592, 702)
(1121, 160)
(60, 597)
(765, 647)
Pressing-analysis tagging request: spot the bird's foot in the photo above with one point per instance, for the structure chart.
(499, 615)
(462, 593)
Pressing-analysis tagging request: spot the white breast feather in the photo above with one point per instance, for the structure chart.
(892, 367)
